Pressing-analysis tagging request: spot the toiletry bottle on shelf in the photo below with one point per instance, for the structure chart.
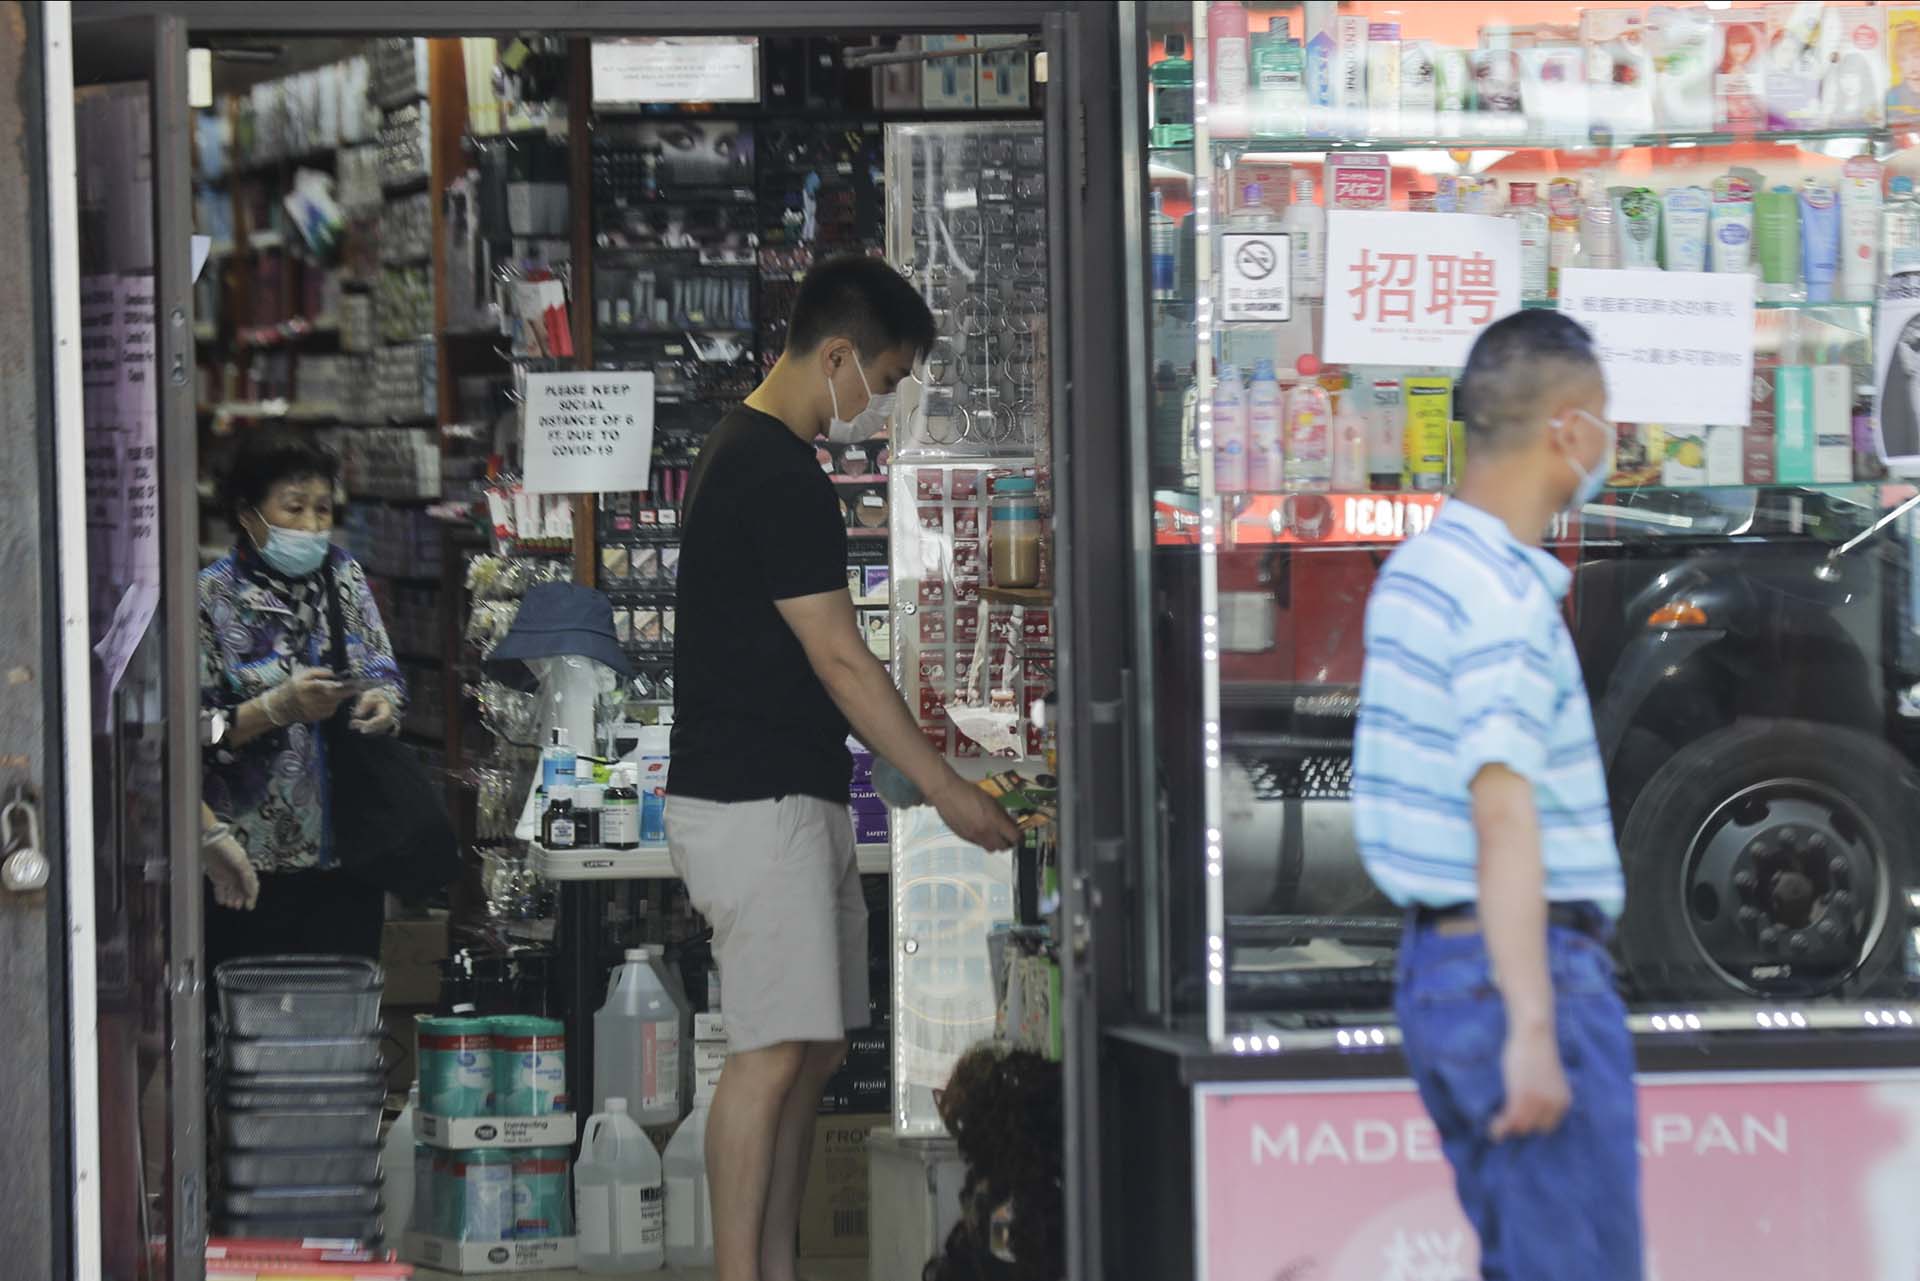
(1309, 430)
(1227, 38)
(557, 762)
(1306, 226)
(1349, 445)
(1280, 81)
(1163, 238)
(1229, 432)
(1900, 228)
(1524, 209)
(1172, 82)
(1265, 447)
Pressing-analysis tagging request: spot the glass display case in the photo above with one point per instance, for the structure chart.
(1340, 196)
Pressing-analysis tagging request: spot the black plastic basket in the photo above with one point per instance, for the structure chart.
(300, 996)
(293, 1055)
(281, 1128)
(364, 1228)
(323, 1201)
(303, 1090)
(270, 1168)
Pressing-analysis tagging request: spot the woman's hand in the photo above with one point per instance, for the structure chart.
(310, 694)
(375, 713)
(235, 884)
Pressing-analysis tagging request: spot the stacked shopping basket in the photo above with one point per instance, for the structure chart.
(298, 1090)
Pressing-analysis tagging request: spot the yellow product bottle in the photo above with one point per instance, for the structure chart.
(1429, 412)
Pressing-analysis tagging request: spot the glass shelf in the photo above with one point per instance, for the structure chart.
(1524, 140)
(1760, 304)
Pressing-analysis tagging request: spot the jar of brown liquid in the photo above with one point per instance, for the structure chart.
(1013, 533)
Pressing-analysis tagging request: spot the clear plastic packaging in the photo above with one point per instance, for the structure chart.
(301, 1127)
(267, 1168)
(302, 1054)
(304, 1090)
(301, 1202)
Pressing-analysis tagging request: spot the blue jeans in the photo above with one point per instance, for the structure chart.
(1561, 1206)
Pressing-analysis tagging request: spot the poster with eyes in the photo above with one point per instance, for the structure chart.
(1896, 375)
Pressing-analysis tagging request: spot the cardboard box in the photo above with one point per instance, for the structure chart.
(410, 953)
(833, 1216)
(478, 1257)
(1833, 424)
(1757, 439)
(710, 1025)
(1793, 425)
(914, 1198)
(554, 1130)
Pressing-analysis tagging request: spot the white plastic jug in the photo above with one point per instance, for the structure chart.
(619, 1204)
(636, 1043)
(399, 1172)
(689, 1199)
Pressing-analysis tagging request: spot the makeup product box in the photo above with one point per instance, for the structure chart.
(1794, 68)
(1350, 72)
(1793, 425)
(1686, 460)
(1383, 79)
(1832, 424)
(1739, 72)
(1359, 180)
(1758, 444)
(1853, 53)
(1619, 70)
(1724, 445)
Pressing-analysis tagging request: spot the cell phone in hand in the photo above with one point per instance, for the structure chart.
(355, 686)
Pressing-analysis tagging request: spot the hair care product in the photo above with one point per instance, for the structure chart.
(1730, 225)
(1227, 39)
(1681, 42)
(1819, 239)
(1429, 410)
(1553, 89)
(1776, 236)
(1229, 432)
(1853, 50)
(1636, 220)
(1349, 71)
(1794, 66)
(1619, 70)
(1860, 186)
(1683, 229)
(1739, 104)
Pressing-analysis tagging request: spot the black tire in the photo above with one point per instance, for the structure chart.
(1769, 860)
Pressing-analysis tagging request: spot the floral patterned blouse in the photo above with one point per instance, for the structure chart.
(255, 629)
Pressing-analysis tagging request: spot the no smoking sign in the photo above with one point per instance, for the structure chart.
(1256, 280)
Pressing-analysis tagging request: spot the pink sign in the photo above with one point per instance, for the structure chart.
(1761, 1177)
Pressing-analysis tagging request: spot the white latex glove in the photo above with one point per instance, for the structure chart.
(235, 884)
(375, 713)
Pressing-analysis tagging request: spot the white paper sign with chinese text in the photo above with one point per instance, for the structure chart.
(1416, 288)
(1677, 346)
(589, 432)
(1256, 275)
(676, 69)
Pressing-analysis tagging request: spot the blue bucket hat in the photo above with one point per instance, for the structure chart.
(557, 619)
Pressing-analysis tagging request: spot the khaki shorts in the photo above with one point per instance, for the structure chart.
(778, 882)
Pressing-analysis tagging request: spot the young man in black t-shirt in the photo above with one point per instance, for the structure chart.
(771, 672)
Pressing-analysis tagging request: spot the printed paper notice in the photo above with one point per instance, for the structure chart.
(676, 69)
(1416, 289)
(1677, 346)
(1256, 276)
(589, 432)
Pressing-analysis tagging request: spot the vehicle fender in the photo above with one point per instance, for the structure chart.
(1650, 661)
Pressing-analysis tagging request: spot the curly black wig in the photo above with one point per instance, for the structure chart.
(1004, 1109)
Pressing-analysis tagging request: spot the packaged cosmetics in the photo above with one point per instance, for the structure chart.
(1758, 445)
(1636, 219)
(1563, 229)
(1598, 238)
(1681, 40)
(1683, 229)
(1776, 238)
(1739, 95)
(1832, 424)
(1383, 78)
(1853, 54)
(1227, 36)
(1730, 225)
(1496, 81)
(1553, 90)
(1903, 64)
(1359, 180)
(1619, 70)
(1793, 425)
(1350, 70)
(1819, 239)
(1794, 66)
(1429, 400)
(1531, 218)
(1419, 87)
(1860, 204)
(1453, 91)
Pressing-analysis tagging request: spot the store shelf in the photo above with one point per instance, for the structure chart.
(1522, 138)
(1760, 304)
(652, 863)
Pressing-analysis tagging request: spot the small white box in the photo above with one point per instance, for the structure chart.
(1350, 71)
(471, 1257)
(709, 1027)
(913, 1200)
(705, 1085)
(1725, 457)
(1832, 424)
(709, 1056)
(556, 1129)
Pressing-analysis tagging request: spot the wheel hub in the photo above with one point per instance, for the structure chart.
(1784, 885)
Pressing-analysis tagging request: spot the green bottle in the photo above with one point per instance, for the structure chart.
(1172, 82)
(1279, 81)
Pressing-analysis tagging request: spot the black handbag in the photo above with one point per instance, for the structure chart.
(390, 824)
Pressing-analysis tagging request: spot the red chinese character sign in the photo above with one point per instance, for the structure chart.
(1415, 289)
(1677, 346)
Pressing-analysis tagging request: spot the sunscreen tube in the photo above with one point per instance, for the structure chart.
(1730, 226)
(1683, 229)
(1819, 239)
(1859, 228)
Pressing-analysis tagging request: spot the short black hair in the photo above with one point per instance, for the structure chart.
(1513, 363)
(864, 300)
(268, 456)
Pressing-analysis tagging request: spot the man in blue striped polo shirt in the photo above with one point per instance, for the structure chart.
(1481, 807)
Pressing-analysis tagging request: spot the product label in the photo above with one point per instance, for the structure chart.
(653, 1217)
(473, 1071)
(620, 823)
(560, 833)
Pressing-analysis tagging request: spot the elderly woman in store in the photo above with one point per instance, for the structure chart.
(268, 682)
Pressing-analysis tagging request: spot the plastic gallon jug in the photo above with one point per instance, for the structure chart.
(399, 1171)
(636, 1043)
(619, 1210)
(689, 1204)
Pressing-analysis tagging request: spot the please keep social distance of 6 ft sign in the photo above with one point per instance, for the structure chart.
(589, 432)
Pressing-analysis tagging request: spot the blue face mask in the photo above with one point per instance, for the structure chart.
(1591, 482)
(293, 553)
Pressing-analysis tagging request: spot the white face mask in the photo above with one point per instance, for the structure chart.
(1592, 482)
(868, 422)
